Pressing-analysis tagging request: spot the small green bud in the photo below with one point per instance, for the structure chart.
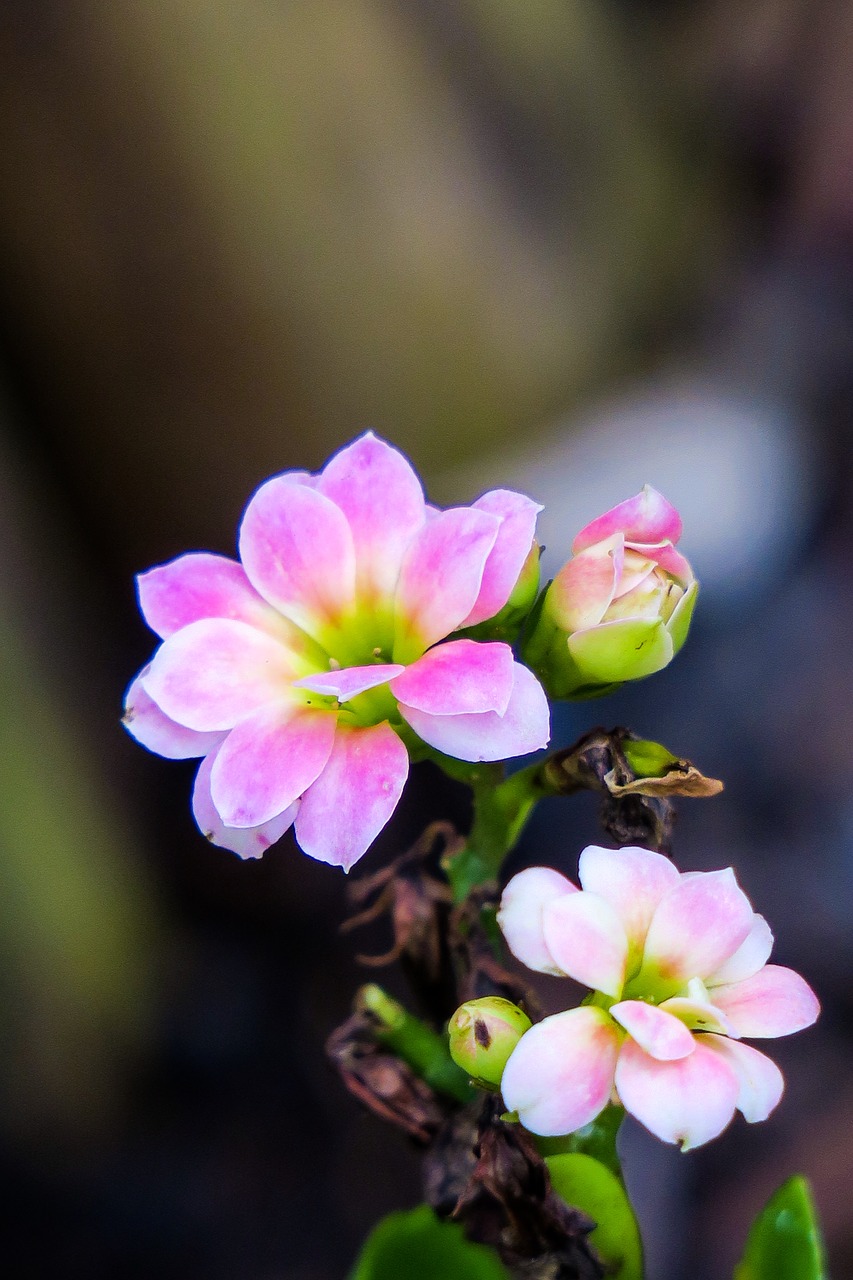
(483, 1033)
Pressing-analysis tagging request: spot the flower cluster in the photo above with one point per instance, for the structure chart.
(303, 673)
(679, 972)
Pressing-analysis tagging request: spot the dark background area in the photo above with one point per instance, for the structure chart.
(570, 246)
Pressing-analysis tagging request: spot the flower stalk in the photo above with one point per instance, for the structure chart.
(423, 1049)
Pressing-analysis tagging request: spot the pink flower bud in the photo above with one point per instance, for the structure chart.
(620, 609)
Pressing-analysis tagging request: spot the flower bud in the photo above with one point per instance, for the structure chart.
(620, 609)
(483, 1033)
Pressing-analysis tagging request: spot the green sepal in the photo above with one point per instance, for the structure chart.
(507, 624)
(784, 1241)
(679, 623)
(588, 1185)
(416, 1245)
(626, 650)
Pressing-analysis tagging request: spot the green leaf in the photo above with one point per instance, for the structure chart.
(784, 1241)
(589, 1185)
(416, 1245)
(597, 1139)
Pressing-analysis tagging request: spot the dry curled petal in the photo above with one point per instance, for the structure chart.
(382, 1082)
(503, 1197)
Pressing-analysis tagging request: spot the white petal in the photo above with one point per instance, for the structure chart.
(588, 941)
(520, 915)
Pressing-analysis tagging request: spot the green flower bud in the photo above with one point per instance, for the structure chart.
(483, 1033)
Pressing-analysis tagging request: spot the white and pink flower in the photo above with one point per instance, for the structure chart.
(301, 672)
(678, 967)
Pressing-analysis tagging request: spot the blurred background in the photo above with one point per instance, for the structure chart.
(570, 245)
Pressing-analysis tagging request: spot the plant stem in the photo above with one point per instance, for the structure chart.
(425, 1051)
(502, 807)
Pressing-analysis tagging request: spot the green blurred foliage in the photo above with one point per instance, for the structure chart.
(248, 231)
(76, 932)
(784, 1242)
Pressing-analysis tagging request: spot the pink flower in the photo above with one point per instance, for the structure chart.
(301, 672)
(678, 966)
(620, 609)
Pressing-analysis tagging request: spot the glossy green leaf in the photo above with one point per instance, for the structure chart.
(416, 1245)
(589, 1185)
(784, 1240)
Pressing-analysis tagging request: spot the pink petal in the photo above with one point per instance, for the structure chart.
(246, 842)
(457, 678)
(587, 940)
(633, 880)
(658, 1033)
(687, 1102)
(760, 1080)
(268, 761)
(381, 497)
(583, 589)
(636, 569)
(645, 518)
(201, 585)
(350, 681)
(517, 515)
(144, 721)
(773, 1002)
(645, 600)
(525, 726)
(345, 809)
(297, 549)
(440, 577)
(214, 672)
(666, 557)
(307, 478)
(560, 1074)
(698, 925)
(752, 955)
(520, 915)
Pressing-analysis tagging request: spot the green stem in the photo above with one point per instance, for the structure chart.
(425, 1051)
(502, 807)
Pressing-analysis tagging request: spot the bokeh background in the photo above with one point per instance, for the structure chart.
(571, 245)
